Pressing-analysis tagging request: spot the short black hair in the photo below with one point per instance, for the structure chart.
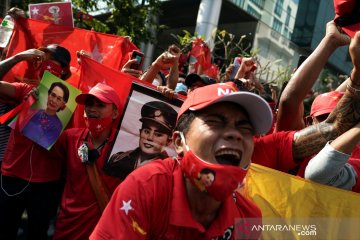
(207, 171)
(184, 122)
(63, 87)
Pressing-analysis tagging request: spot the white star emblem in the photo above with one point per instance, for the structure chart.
(98, 126)
(96, 54)
(48, 67)
(126, 207)
(35, 11)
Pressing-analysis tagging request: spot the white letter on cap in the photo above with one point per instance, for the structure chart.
(224, 91)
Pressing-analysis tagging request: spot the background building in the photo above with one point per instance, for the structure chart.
(280, 29)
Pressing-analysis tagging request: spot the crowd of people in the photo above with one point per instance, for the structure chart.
(221, 128)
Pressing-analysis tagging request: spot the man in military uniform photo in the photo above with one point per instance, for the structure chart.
(158, 121)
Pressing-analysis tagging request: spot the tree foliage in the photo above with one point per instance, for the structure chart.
(137, 19)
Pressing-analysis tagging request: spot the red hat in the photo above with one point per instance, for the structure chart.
(257, 108)
(102, 92)
(347, 15)
(325, 103)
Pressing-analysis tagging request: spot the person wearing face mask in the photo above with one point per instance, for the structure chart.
(87, 188)
(158, 121)
(193, 196)
(30, 174)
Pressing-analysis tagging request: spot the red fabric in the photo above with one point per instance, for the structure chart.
(302, 167)
(111, 50)
(345, 8)
(158, 208)
(25, 159)
(355, 163)
(202, 53)
(212, 71)
(79, 210)
(275, 151)
(94, 72)
(11, 114)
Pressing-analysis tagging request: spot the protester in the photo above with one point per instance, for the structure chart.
(30, 176)
(291, 110)
(168, 59)
(322, 106)
(4, 108)
(158, 122)
(84, 150)
(181, 88)
(128, 213)
(162, 200)
(43, 126)
(193, 81)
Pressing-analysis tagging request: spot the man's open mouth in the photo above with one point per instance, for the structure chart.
(228, 157)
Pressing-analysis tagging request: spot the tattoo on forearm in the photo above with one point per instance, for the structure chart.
(312, 139)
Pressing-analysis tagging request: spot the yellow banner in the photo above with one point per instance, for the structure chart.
(294, 208)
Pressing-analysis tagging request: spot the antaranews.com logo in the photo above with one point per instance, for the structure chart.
(273, 229)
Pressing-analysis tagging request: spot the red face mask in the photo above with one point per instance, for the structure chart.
(96, 125)
(50, 66)
(218, 180)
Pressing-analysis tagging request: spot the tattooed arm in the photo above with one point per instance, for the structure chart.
(346, 114)
(291, 109)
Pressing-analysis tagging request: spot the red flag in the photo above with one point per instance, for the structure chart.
(29, 33)
(213, 71)
(93, 73)
(202, 53)
(57, 13)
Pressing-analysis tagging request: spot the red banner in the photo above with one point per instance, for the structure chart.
(110, 50)
(93, 73)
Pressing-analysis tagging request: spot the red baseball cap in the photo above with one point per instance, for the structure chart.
(347, 15)
(257, 108)
(325, 103)
(102, 92)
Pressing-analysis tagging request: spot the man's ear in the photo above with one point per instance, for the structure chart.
(115, 113)
(178, 143)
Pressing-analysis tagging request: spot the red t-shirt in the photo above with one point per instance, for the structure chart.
(79, 210)
(24, 158)
(275, 151)
(151, 203)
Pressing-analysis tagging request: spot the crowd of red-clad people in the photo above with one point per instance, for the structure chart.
(221, 128)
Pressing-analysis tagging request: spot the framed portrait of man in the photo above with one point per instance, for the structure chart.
(145, 131)
(44, 120)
